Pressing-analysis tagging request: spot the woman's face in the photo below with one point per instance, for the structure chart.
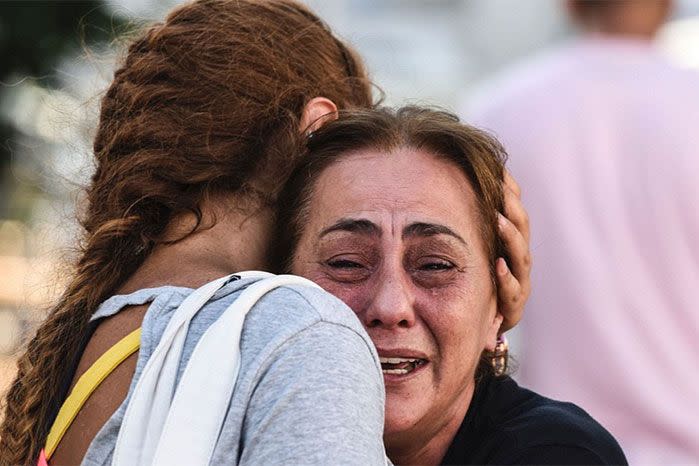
(396, 237)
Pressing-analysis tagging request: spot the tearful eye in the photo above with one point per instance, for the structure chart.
(347, 270)
(436, 266)
(434, 272)
(344, 264)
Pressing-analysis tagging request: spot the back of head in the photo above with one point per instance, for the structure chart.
(213, 98)
(208, 102)
(631, 18)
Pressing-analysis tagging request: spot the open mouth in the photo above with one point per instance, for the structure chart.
(400, 366)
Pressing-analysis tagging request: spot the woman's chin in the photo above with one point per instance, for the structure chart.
(405, 406)
(398, 425)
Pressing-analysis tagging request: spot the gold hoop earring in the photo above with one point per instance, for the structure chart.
(499, 360)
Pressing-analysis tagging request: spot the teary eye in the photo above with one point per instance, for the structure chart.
(436, 265)
(343, 264)
(352, 269)
(434, 272)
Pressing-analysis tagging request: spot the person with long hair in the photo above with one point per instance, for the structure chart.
(197, 131)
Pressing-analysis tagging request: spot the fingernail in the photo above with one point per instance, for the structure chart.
(501, 267)
(501, 220)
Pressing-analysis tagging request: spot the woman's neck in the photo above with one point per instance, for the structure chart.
(230, 239)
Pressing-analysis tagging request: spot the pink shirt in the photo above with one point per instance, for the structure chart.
(603, 137)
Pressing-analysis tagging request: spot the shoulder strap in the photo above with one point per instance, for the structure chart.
(151, 397)
(194, 423)
(86, 385)
(179, 425)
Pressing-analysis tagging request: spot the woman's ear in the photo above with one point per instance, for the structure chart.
(316, 112)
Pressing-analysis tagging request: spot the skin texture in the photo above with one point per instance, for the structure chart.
(395, 236)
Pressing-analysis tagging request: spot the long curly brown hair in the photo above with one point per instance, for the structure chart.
(206, 102)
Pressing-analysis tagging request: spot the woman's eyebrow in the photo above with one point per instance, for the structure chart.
(353, 225)
(430, 229)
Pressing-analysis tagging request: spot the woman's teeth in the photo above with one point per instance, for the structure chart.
(400, 366)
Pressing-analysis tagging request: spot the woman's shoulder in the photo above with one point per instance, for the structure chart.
(547, 431)
(279, 314)
(307, 366)
(302, 306)
(298, 319)
(277, 317)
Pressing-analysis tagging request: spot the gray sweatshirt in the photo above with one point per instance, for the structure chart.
(310, 388)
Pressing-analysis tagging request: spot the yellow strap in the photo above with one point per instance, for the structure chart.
(87, 384)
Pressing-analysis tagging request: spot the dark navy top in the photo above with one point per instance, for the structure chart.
(508, 424)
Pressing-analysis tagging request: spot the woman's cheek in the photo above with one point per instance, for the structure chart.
(352, 294)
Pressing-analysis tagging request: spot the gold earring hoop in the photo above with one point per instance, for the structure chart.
(499, 360)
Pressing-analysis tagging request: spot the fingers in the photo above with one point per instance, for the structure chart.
(510, 183)
(516, 213)
(513, 280)
(510, 296)
(517, 247)
(514, 283)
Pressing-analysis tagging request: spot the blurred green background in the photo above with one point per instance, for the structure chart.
(35, 37)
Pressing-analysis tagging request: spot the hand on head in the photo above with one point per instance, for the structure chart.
(514, 285)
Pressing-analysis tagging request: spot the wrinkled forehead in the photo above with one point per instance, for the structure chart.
(394, 190)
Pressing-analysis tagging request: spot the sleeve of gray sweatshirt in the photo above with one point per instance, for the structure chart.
(319, 401)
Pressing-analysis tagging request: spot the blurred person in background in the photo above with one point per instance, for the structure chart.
(603, 136)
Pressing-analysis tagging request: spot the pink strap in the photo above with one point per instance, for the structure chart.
(42, 459)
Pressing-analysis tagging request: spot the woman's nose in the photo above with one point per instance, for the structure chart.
(391, 303)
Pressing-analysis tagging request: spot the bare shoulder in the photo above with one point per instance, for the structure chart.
(111, 392)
